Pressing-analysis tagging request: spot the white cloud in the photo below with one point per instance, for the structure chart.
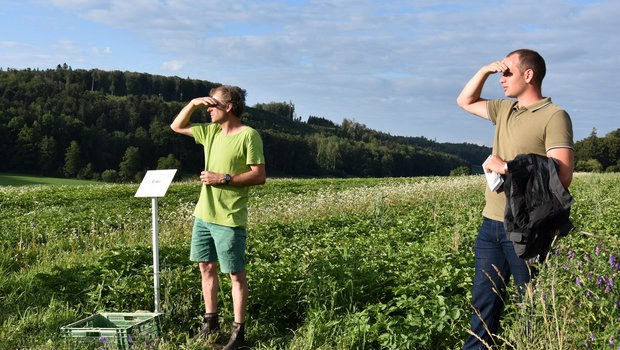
(386, 64)
(9, 44)
(173, 65)
(106, 51)
(76, 4)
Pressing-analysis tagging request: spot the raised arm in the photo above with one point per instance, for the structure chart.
(469, 99)
(181, 123)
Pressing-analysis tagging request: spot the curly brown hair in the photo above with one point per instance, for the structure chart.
(233, 95)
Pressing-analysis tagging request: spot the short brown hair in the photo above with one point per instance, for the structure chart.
(530, 59)
(233, 95)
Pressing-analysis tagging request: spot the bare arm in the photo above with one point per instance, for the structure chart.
(255, 176)
(181, 123)
(565, 158)
(563, 155)
(469, 99)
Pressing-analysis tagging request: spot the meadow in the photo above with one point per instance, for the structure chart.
(28, 180)
(332, 264)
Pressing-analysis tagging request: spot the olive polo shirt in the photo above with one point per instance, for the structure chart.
(521, 130)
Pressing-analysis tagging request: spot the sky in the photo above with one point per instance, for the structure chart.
(394, 66)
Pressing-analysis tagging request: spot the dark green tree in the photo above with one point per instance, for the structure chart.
(86, 172)
(590, 165)
(48, 156)
(460, 171)
(131, 164)
(118, 85)
(109, 175)
(25, 155)
(168, 162)
(73, 160)
(282, 109)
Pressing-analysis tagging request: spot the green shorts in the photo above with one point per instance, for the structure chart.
(217, 243)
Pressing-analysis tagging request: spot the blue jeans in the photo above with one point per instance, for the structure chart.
(495, 262)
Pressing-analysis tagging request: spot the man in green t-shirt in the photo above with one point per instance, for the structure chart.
(529, 124)
(234, 160)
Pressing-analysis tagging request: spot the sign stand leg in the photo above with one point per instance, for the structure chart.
(155, 255)
(155, 184)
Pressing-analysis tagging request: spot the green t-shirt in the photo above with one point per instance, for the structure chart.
(226, 205)
(532, 129)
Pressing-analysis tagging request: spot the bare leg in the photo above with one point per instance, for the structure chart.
(240, 298)
(208, 273)
(239, 294)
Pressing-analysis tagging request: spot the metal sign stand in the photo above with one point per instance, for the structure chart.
(155, 184)
(155, 254)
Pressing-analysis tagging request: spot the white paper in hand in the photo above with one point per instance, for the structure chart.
(494, 180)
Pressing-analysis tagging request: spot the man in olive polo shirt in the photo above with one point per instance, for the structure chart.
(234, 160)
(529, 124)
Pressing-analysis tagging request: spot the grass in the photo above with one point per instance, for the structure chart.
(27, 180)
(332, 264)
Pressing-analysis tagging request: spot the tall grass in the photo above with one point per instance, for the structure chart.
(574, 302)
(332, 264)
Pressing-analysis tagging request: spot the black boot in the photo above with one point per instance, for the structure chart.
(211, 324)
(237, 337)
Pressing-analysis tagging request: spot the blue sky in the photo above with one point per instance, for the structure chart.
(395, 66)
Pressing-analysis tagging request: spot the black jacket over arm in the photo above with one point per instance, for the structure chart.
(537, 205)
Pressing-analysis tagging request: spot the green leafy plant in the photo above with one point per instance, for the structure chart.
(332, 264)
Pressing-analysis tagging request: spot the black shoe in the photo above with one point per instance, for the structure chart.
(211, 325)
(237, 337)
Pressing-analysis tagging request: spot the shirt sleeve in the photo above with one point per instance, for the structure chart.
(559, 131)
(496, 107)
(492, 106)
(254, 154)
(199, 132)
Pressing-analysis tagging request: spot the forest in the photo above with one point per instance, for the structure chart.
(598, 154)
(114, 126)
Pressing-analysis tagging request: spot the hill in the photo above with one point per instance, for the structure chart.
(94, 124)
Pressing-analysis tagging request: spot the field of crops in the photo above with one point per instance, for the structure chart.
(332, 264)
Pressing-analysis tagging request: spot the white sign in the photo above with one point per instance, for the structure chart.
(155, 183)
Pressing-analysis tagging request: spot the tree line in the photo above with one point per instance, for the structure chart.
(113, 126)
(598, 154)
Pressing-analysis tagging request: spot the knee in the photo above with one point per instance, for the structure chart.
(207, 268)
(238, 278)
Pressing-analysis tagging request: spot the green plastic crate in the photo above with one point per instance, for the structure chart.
(116, 328)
